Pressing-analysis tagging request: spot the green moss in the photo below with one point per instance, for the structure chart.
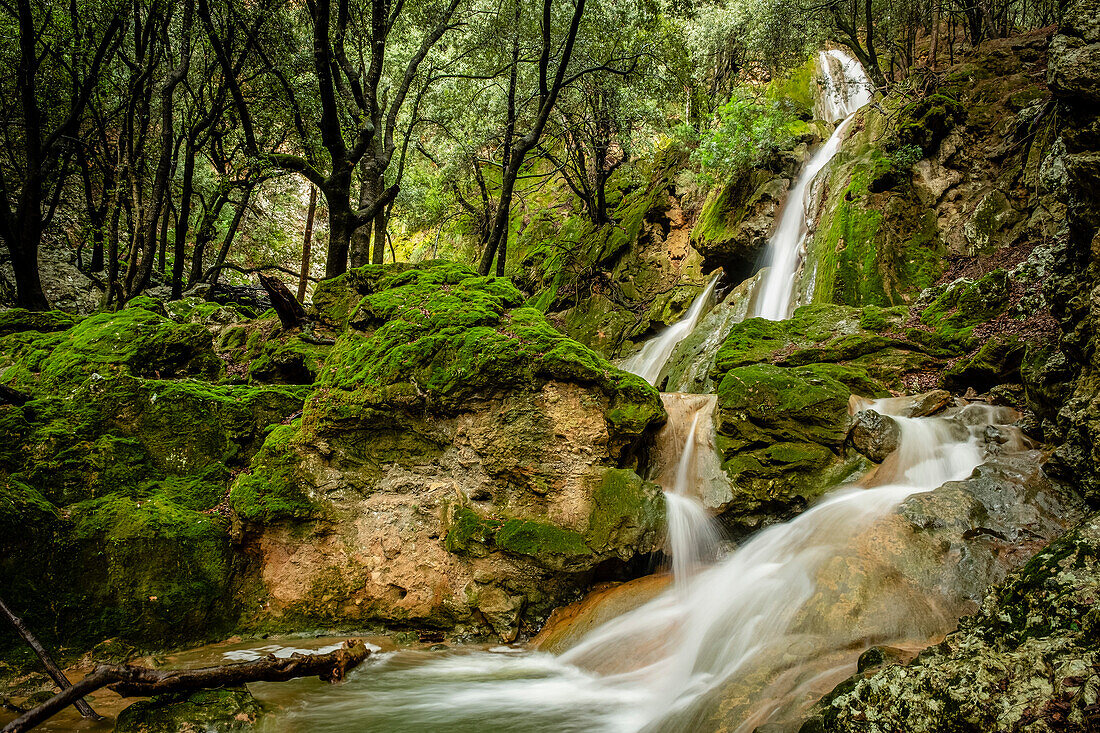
(272, 489)
(927, 120)
(149, 571)
(623, 508)
(469, 531)
(546, 542)
(948, 322)
(762, 403)
(133, 341)
(211, 711)
(16, 320)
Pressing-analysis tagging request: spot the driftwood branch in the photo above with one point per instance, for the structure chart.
(130, 681)
(51, 667)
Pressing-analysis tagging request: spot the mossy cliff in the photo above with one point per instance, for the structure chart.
(942, 172)
(459, 462)
(114, 473)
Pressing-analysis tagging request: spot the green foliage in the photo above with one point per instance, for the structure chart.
(746, 133)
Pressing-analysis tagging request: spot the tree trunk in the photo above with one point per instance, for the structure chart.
(307, 244)
(24, 263)
(290, 311)
(340, 223)
(179, 251)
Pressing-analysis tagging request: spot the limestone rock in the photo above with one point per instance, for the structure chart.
(875, 436)
(460, 463)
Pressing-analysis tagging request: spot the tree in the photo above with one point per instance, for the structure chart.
(515, 149)
(354, 118)
(57, 62)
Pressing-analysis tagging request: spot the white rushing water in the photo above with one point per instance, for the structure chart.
(748, 616)
(847, 89)
(688, 470)
(658, 667)
(649, 360)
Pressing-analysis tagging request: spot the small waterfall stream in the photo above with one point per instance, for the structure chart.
(754, 615)
(650, 359)
(847, 89)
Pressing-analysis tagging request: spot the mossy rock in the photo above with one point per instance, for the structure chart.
(876, 242)
(996, 362)
(144, 570)
(762, 404)
(436, 337)
(20, 319)
(205, 711)
(926, 121)
(133, 341)
(627, 513)
(948, 322)
(862, 345)
(272, 489)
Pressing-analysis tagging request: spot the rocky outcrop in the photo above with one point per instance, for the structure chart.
(460, 463)
(1072, 377)
(954, 177)
(1026, 661)
(114, 473)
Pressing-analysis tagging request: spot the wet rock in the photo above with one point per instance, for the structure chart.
(206, 711)
(875, 436)
(1026, 661)
(737, 219)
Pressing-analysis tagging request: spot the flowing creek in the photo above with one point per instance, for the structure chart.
(740, 637)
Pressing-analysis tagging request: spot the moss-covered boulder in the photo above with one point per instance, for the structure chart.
(205, 711)
(784, 390)
(115, 475)
(20, 319)
(133, 341)
(459, 463)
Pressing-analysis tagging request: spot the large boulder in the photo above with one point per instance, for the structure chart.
(459, 464)
(1026, 661)
(114, 476)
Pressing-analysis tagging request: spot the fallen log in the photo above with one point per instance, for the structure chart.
(131, 681)
(52, 669)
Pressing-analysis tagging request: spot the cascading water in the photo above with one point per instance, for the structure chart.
(764, 617)
(649, 360)
(846, 90)
(761, 617)
(690, 473)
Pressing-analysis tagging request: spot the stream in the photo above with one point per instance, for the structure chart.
(752, 623)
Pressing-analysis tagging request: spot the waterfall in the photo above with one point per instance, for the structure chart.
(759, 616)
(846, 90)
(650, 359)
(688, 469)
(763, 626)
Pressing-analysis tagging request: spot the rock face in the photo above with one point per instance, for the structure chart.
(110, 476)
(1074, 180)
(1027, 661)
(460, 463)
(949, 176)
